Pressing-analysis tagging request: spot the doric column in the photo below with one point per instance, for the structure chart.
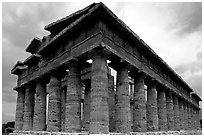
(185, 115)
(99, 115)
(28, 108)
(123, 116)
(197, 119)
(176, 112)
(73, 99)
(19, 109)
(152, 111)
(54, 104)
(170, 110)
(162, 114)
(139, 106)
(39, 121)
(189, 116)
(86, 111)
(63, 108)
(181, 114)
(111, 102)
(193, 118)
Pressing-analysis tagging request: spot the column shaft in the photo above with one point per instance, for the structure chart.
(86, 111)
(139, 106)
(19, 110)
(189, 116)
(54, 105)
(176, 113)
(152, 111)
(63, 108)
(28, 109)
(39, 121)
(111, 102)
(99, 115)
(123, 101)
(73, 100)
(162, 114)
(181, 114)
(185, 116)
(170, 111)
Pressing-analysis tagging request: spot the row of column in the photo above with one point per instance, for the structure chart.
(163, 110)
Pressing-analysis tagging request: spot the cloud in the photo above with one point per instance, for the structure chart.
(187, 16)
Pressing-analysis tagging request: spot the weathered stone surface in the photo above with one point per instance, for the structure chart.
(54, 105)
(39, 121)
(28, 108)
(139, 107)
(99, 114)
(73, 100)
(152, 112)
(162, 114)
(86, 111)
(185, 115)
(122, 101)
(170, 110)
(111, 103)
(63, 109)
(176, 113)
(181, 114)
(189, 116)
(19, 110)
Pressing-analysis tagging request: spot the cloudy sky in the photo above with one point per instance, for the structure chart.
(172, 30)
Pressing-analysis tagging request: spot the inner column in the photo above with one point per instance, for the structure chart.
(73, 99)
(99, 114)
(86, 111)
(139, 108)
(123, 116)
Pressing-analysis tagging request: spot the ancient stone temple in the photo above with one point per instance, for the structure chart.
(66, 84)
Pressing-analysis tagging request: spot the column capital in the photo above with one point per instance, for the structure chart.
(97, 53)
(152, 82)
(56, 73)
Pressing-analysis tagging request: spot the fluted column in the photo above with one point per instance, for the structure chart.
(176, 112)
(185, 116)
(162, 114)
(170, 110)
(189, 116)
(39, 121)
(197, 119)
(181, 114)
(123, 115)
(63, 108)
(54, 104)
(28, 108)
(139, 106)
(86, 111)
(152, 111)
(73, 99)
(111, 102)
(19, 109)
(99, 115)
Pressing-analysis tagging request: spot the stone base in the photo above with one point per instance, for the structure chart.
(183, 132)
